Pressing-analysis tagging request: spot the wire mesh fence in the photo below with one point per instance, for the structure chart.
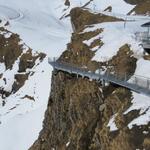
(126, 80)
(140, 36)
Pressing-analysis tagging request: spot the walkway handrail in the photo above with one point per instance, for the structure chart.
(142, 36)
(136, 83)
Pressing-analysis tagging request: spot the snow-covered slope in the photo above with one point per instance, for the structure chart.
(112, 42)
(38, 24)
(40, 34)
(23, 93)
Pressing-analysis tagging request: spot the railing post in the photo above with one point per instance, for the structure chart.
(103, 83)
(106, 74)
(125, 77)
(148, 84)
(91, 75)
(71, 69)
(54, 59)
(77, 75)
(83, 73)
(116, 76)
(136, 80)
(99, 73)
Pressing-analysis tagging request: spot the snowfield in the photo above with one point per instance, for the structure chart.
(100, 5)
(38, 24)
(8, 13)
(25, 20)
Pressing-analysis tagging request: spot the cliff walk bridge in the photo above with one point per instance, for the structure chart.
(144, 37)
(135, 83)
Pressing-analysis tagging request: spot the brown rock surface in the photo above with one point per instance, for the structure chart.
(11, 51)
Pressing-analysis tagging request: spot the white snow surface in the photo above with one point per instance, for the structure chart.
(143, 68)
(141, 102)
(118, 6)
(112, 124)
(89, 42)
(38, 24)
(39, 21)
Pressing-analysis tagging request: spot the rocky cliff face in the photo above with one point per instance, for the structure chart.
(141, 7)
(16, 58)
(135, 2)
(80, 110)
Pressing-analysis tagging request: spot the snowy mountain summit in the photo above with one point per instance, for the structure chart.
(42, 108)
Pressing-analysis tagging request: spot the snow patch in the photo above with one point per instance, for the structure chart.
(90, 41)
(114, 36)
(68, 143)
(112, 124)
(142, 103)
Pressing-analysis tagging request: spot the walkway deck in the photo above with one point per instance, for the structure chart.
(138, 84)
(144, 38)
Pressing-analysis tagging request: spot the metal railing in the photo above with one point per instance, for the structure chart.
(135, 83)
(141, 35)
(144, 38)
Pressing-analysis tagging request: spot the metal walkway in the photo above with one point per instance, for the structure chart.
(138, 84)
(144, 38)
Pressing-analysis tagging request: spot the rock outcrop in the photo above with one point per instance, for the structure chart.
(15, 56)
(142, 7)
